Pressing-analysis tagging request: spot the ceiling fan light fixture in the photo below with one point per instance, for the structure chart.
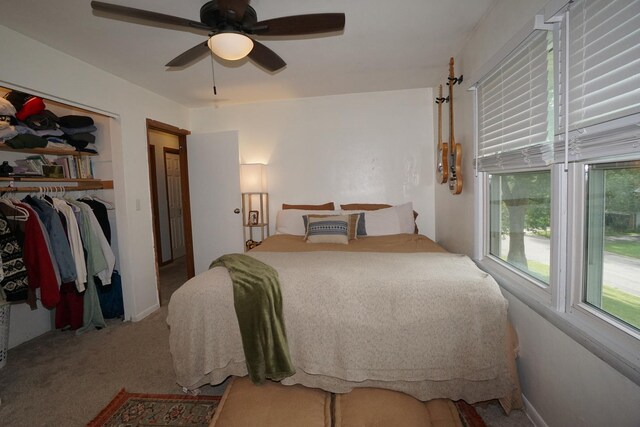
(230, 45)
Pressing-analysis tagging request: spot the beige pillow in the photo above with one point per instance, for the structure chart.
(388, 221)
(374, 207)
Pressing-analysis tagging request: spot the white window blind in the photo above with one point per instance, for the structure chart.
(514, 105)
(604, 79)
(604, 61)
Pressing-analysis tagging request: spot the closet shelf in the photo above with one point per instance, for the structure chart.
(83, 184)
(45, 179)
(50, 151)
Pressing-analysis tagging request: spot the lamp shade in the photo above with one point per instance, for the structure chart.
(253, 178)
(230, 45)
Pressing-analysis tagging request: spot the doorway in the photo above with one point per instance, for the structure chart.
(174, 201)
(169, 179)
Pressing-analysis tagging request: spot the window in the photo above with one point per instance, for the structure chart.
(516, 131)
(520, 221)
(559, 175)
(612, 267)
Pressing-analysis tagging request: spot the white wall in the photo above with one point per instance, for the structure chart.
(565, 383)
(37, 67)
(370, 147)
(160, 140)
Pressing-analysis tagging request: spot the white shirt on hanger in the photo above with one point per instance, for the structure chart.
(104, 275)
(75, 241)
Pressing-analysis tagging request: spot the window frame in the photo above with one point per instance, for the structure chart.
(576, 305)
(545, 288)
(511, 278)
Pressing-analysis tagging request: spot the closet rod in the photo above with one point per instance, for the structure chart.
(103, 185)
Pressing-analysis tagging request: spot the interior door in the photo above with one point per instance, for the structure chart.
(174, 202)
(214, 179)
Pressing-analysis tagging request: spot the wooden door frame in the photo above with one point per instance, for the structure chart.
(184, 184)
(170, 150)
(153, 179)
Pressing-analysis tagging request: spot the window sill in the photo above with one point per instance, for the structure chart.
(601, 339)
(515, 281)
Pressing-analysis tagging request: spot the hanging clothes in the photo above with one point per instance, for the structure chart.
(15, 283)
(57, 237)
(100, 211)
(75, 241)
(103, 246)
(38, 260)
(45, 235)
(64, 248)
(15, 219)
(96, 262)
(70, 309)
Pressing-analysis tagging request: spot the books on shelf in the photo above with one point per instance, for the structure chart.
(63, 161)
(64, 167)
(36, 162)
(76, 167)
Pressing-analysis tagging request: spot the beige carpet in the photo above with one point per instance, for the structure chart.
(172, 276)
(60, 379)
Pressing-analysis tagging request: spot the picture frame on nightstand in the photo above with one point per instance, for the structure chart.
(254, 217)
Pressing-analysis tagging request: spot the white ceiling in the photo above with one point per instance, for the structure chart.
(386, 45)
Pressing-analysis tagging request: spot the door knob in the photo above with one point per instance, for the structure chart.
(236, 211)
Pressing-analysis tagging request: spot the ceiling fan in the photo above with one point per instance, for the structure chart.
(231, 26)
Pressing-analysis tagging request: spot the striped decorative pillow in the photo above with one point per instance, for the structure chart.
(334, 229)
(355, 221)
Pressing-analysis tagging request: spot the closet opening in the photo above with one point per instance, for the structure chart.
(169, 180)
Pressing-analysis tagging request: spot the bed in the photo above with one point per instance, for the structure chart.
(396, 312)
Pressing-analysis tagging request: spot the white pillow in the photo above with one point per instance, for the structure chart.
(289, 221)
(393, 220)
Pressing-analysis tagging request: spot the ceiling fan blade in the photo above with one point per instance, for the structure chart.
(265, 57)
(191, 55)
(238, 6)
(152, 17)
(300, 24)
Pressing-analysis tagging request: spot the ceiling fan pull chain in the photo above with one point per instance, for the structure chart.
(213, 75)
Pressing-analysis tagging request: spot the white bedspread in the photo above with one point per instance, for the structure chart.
(429, 324)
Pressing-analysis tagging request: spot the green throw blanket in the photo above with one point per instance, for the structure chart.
(258, 303)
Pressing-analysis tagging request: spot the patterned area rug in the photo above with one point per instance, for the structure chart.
(468, 414)
(140, 409)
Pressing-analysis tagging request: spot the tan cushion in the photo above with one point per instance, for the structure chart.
(329, 206)
(372, 407)
(245, 404)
